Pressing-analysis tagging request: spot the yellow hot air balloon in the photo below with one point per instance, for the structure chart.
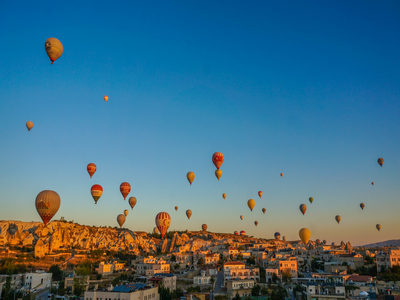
(338, 218)
(176, 208)
(188, 213)
(126, 212)
(29, 125)
(218, 174)
(251, 203)
(105, 98)
(378, 227)
(304, 235)
(224, 195)
(241, 218)
(311, 199)
(53, 48)
(132, 202)
(190, 177)
(121, 220)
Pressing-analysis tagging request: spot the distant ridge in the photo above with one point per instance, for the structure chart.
(389, 243)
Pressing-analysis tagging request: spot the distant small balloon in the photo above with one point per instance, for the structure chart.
(281, 174)
(190, 177)
(256, 223)
(241, 217)
(362, 205)
(218, 174)
(54, 49)
(105, 98)
(204, 227)
(163, 220)
(29, 125)
(132, 202)
(338, 218)
(176, 208)
(91, 168)
(242, 233)
(218, 159)
(125, 189)
(96, 191)
(121, 220)
(260, 193)
(126, 212)
(378, 227)
(188, 213)
(264, 210)
(380, 161)
(303, 208)
(251, 203)
(311, 199)
(372, 183)
(304, 235)
(224, 196)
(277, 236)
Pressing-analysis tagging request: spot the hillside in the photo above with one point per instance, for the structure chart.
(389, 243)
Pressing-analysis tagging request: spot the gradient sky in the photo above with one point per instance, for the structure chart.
(308, 88)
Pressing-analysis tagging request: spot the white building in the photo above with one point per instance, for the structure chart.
(240, 287)
(203, 279)
(37, 281)
(136, 291)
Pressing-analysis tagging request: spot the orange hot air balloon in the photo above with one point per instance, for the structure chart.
(218, 159)
(204, 227)
(190, 177)
(263, 210)
(378, 227)
(304, 235)
(132, 202)
(281, 174)
(256, 223)
(47, 204)
(105, 98)
(176, 208)
(362, 205)
(338, 218)
(121, 220)
(251, 203)
(303, 208)
(53, 48)
(188, 214)
(224, 195)
(311, 199)
(91, 168)
(126, 212)
(96, 192)
(125, 189)
(380, 161)
(260, 193)
(29, 125)
(241, 217)
(218, 174)
(242, 232)
(163, 220)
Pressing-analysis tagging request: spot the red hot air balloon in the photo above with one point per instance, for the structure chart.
(96, 192)
(47, 204)
(303, 208)
(218, 159)
(163, 220)
(91, 168)
(260, 193)
(236, 233)
(125, 189)
(242, 232)
(380, 161)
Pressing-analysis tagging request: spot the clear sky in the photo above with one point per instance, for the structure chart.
(308, 88)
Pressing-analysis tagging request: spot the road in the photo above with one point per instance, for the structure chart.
(219, 289)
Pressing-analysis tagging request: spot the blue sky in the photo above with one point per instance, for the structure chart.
(310, 89)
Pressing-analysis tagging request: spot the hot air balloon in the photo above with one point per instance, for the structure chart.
(311, 199)
(47, 204)
(218, 159)
(236, 233)
(224, 195)
(163, 220)
(53, 48)
(260, 193)
(281, 174)
(242, 232)
(132, 202)
(256, 223)
(241, 217)
(218, 174)
(91, 168)
(121, 220)
(303, 208)
(338, 218)
(96, 191)
(277, 236)
(378, 227)
(125, 189)
(29, 125)
(126, 212)
(188, 214)
(155, 230)
(204, 227)
(251, 203)
(380, 161)
(263, 210)
(304, 235)
(105, 98)
(372, 183)
(284, 238)
(362, 205)
(176, 208)
(190, 177)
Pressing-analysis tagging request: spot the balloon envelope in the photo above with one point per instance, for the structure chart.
(264, 210)
(378, 227)
(362, 205)
(338, 218)
(251, 203)
(29, 125)
(256, 223)
(105, 98)
(311, 199)
(218, 159)
(241, 217)
(218, 174)
(204, 227)
(125, 189)
(132, 202)
(47, 204)
(381, 161)
(53, 48)
(126, 212)
(242, 232)
(163, 220)
(91, 168)
(281, 174)
(304, 235)
(96, 191)
(260, 193)
(121, 220)
(224, 195)
(189, 213)
(277, 236)
(176, 208)
(190, 177)
(303, 208)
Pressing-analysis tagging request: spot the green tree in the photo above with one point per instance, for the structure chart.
(255, 291)
(286, 276)
(278, 293)
(57, 273)
(237, 297)
(251, 261)
(200, 262)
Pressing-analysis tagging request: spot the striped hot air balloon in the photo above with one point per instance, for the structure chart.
(163, 220)
(47, 204)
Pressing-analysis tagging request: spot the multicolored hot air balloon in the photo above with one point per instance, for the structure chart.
(91, 168)
(242, 233)
(236, 233)
(338, 218)
(163, 220)
(256, 223)
(218, 159)
(188, 213)
(204, 227)
(121, 220)
(176, 208)
(311, 199)
(378, 227)
(277, 236)
(190, 177)
(260, 193)
(105, 98)
(264, 210)
(96, 191)
(218, 174)
(241, 217)
(303, 208)
(362, 205)
(126, 212)
(125, 189)
(47, 204)
(251, 203)
(380, 161)
(132, 202)
(29, 125)
(304, 235)
(224, 196)
(53, 48)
